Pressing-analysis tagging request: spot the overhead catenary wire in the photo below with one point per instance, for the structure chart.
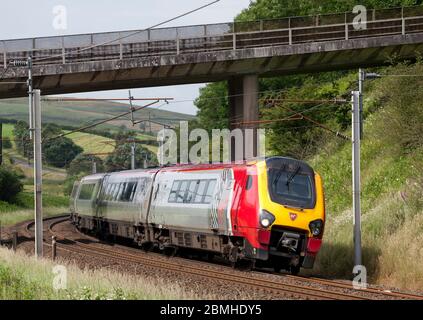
(321, 125)
(102, 121)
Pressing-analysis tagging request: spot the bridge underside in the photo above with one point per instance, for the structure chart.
(214, 66)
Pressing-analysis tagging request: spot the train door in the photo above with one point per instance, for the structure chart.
(220, 213)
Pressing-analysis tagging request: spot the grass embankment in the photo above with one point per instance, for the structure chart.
(392, 188)
(22, 207)
(24, 278)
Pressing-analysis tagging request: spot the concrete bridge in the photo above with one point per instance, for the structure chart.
(237, 52)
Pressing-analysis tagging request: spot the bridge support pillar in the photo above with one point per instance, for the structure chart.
(243, 112)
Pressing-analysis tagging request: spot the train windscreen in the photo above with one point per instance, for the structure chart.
(291, 183)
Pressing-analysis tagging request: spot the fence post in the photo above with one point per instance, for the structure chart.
(53, 248)
(234, 41)
(120, 50)
(4, 59)
(178, 49)
(346, 31)
(403, 26)
(290, 36)
(402, 21)
(63, 51)
(14, 240)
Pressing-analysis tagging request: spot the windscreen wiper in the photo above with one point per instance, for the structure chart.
(292, 176)
(278, 175)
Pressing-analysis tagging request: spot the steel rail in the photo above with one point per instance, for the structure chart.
(349, 286)
(262, 284)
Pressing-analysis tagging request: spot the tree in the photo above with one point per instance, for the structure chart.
(83, 164)
(121, 157)
(213, 106)
(21, 134)
(10, 184)
(7, 144)
(295, 138)
(60, 152)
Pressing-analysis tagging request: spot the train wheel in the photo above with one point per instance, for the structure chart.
(250, 265)
(279, 264)
(210, 257)
(277, 268)
(294, 270)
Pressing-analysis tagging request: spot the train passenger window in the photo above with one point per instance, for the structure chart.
(116, 191)
(174, 191)
(200, 191)
(182, 191)
(249, 182)
(111, 191)
(86, 192)
(128, 191)
(106, 190)
(210, 191)
(191, 191)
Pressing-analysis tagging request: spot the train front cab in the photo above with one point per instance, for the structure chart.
(292, 214)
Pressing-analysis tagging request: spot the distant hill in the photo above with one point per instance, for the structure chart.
(79, 113)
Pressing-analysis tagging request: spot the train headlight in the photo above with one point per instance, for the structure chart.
(266, 218)
(316, 227)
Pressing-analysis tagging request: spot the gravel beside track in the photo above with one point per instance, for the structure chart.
(202, 278)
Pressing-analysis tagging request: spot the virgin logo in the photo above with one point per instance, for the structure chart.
(293, 216)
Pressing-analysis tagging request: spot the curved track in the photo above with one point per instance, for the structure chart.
(297, 287)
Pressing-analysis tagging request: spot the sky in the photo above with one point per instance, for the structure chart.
(29, 18)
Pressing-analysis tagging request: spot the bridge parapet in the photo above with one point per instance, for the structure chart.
(210, 38)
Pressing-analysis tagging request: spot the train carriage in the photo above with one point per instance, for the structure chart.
(268, 211)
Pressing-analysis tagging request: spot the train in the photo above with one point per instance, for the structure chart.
(267, 212)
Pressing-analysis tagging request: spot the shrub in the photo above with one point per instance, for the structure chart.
(400, 120)
(121, 158)
(7, 144)
(60, 152)
(10, 184)
(83, 164)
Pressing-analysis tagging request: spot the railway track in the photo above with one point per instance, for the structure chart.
(301, 288)
(340, 284)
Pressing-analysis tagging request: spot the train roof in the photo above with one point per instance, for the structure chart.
(205, 166)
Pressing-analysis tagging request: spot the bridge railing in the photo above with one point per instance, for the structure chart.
(210, 38)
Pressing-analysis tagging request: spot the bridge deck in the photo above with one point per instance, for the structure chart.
(208, 52)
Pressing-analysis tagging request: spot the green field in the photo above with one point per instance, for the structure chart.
(77, 114)
(92, 143)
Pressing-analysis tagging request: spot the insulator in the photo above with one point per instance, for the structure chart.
(19, 63)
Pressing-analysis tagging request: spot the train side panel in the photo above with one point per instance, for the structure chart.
(191, 201)
(124, 197)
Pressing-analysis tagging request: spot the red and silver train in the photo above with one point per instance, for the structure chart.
(269, 212)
